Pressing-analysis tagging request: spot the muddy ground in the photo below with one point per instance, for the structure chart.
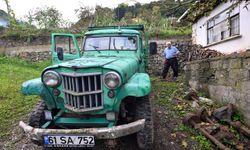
(163, 127)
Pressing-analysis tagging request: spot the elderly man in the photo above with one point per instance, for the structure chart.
(170, 55)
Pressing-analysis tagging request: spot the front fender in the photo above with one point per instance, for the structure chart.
(138, 85)
(32, 87)
(36, 87)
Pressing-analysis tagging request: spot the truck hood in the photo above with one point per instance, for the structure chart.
(86, 62)
(125, 66)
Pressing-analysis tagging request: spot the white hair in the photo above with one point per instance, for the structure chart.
(168, 43)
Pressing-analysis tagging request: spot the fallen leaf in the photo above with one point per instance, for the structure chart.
(240, 146)
(173, 135)
(184, 144)
(209, 113)
(202, 123)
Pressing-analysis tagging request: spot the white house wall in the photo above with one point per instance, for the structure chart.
(199, 35)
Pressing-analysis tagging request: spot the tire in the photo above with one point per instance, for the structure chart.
(37, 118)
(145, 137)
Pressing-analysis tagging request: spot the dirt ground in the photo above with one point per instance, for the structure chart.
(163, 128)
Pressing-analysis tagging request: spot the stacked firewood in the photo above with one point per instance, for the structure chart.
(202, 54)
(196, 52)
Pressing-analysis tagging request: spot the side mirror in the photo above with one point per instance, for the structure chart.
(152, 48)
(59, 51)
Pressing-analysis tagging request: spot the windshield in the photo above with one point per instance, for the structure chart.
(111, 43)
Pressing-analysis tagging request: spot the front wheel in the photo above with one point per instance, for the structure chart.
(37, 118)
(145, 137)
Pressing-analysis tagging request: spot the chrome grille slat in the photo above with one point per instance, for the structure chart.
(70, 83)
(83, 92)
(71, 100)
(78, 102)
(73, 84)
(84, 102)
(90, 100)
(96, 103)
(95, 83)
(83, 87)
(89, 86)
(67, 98)
(77, 85)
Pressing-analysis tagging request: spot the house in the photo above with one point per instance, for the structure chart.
(226, 28)
(4, 21)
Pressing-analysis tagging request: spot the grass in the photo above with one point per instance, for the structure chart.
(13, 105)
(202, 141)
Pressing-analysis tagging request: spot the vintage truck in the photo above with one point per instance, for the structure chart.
(99, 90)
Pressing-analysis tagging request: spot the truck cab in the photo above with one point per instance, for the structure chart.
(98, 90)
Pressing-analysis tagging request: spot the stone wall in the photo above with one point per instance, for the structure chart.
(30, 53)
(34, 49)
(226, 79)
(21, 42)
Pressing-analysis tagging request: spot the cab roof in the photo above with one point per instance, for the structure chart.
(112, 31)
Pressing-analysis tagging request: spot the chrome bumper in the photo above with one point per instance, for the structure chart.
(99, 133)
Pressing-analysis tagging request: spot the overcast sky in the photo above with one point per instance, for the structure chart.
(66, 7)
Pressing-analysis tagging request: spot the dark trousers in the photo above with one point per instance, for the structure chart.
(173, 63)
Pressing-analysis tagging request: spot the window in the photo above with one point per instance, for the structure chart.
(97, 43)
(221, 27)
(111, 43)
(65, 42)
(235, 25)
(121, 43)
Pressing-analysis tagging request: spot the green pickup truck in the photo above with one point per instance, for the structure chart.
(99, 90)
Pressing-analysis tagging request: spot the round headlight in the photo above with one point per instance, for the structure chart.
(51, 79)
(112, 80)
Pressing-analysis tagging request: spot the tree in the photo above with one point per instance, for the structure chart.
(103, 16)
(156, 16)
(47, 17)
(85, 15)
(11, 14)
(84, 12)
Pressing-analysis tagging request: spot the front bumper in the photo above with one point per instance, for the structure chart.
(99, 133)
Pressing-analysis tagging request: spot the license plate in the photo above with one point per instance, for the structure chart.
(68, 141)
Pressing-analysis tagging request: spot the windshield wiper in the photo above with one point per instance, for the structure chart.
(95, 47)
(115, 46)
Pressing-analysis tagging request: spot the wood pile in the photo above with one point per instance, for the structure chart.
(197, 52)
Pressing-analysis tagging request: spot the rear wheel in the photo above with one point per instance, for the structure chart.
(145, 137)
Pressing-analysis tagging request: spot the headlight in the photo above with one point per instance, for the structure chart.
(112, 80)
(51, 79)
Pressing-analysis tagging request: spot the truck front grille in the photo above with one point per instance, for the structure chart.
(83, 92)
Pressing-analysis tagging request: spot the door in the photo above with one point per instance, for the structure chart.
(64, 47)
